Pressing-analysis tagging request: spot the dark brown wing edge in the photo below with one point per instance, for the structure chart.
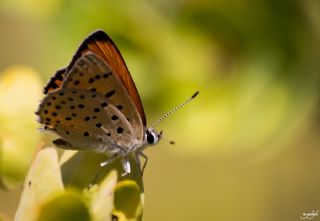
(55, 81)
(101, 44)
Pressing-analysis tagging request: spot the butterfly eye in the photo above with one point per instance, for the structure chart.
(152, 137)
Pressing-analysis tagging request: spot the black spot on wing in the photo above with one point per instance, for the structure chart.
(114, 117)
(104, 104)
(110, 93)
(98, 125)
(107, 74)
(119, 130)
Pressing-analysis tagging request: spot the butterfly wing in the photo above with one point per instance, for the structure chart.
(101, 44)
(92, 73)
(85, 120)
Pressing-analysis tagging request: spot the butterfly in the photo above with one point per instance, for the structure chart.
(93, 104)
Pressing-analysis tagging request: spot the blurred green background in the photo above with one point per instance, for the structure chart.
(247, 148)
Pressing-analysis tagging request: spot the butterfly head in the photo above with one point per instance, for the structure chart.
(152, 137)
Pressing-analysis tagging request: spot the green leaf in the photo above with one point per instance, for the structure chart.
(44, 198)
(65, 207)
(102, 198)
(81, 169)
(128, 201)
(43, 180)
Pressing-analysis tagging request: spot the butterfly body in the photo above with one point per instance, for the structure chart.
(93, 104)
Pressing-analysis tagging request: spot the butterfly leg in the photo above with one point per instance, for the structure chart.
(126, 166)
(145, 161)
(137, 159)
(110, 160)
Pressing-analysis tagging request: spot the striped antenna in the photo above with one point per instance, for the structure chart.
(175, 109)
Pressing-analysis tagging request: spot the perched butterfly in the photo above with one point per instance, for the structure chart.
(93, 104)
